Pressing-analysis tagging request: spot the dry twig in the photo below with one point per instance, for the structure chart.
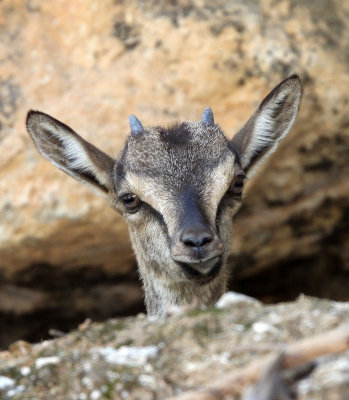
(296, 354)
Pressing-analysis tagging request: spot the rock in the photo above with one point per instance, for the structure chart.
(91, 65)
(43, 361)
(230, 299)
(6, 383)
(20, 347)
(127, 355)
(135, 358)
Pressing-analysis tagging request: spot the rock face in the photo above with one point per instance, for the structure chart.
(134, 358)
(92, 64)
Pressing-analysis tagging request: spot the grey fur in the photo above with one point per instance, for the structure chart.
(184, 176)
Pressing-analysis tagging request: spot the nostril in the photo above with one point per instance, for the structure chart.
(196, 238)
(205, 239)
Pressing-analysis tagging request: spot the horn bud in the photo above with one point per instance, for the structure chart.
(207, 116)
(135, 125)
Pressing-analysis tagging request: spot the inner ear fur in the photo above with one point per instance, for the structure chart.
(68, 151)
(271, 122)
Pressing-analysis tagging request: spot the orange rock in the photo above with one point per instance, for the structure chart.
(91, 64)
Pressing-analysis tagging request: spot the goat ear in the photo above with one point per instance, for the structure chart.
(269, 124)
(71, 153)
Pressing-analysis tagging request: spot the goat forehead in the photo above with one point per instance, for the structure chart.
(177, 151)
(160, 165)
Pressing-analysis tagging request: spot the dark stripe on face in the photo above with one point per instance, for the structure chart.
(158, 216)
(222, 204)
(120, 169)
(192, 213)
(235, 152)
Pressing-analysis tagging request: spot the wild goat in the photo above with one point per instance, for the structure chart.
(178, 189)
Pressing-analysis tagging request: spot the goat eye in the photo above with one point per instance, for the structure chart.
(131, 202)
(236, 186)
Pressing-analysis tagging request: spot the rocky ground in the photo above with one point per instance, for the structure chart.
(63, 254)
(134, 358)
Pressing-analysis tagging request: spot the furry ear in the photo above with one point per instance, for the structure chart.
(269, 124)
(71, 153)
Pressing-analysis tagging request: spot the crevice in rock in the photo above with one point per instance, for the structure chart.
(48, 297)
(313, 276)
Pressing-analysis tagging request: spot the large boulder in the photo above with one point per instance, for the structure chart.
(92, 64)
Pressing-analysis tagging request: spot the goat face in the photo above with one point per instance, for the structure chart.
(178, 187)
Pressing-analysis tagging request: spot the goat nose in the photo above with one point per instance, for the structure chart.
(196, 237)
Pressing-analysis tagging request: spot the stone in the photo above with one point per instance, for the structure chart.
(231, 298)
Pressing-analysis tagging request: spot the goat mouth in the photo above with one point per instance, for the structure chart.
(200, 278)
